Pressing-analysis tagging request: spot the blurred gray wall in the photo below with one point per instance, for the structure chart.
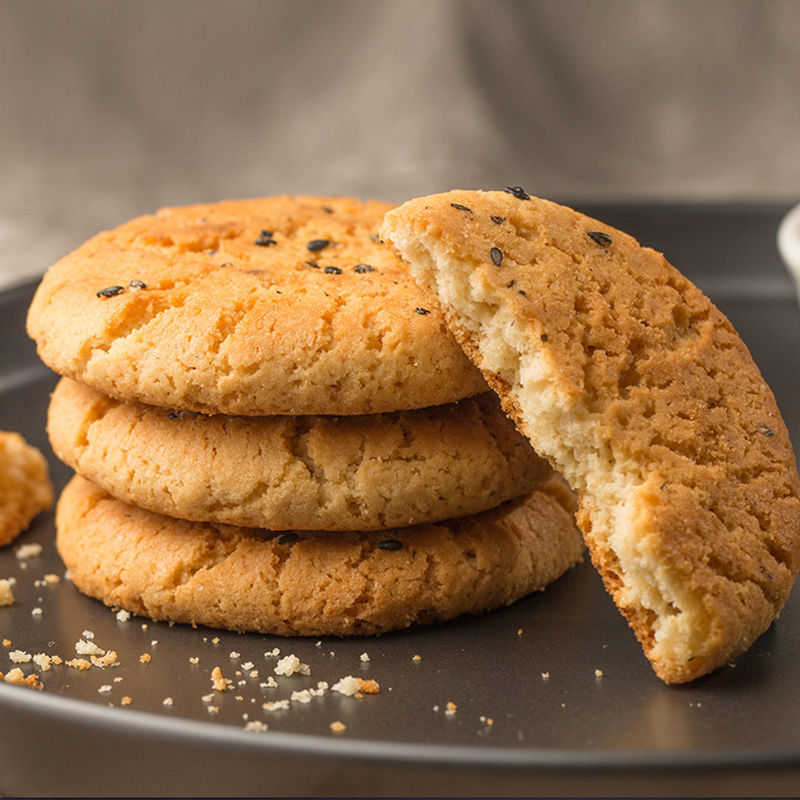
(110, 108)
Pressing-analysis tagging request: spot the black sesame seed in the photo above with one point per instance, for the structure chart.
(312, 264)
(543, 337)
(422, 311)
(518, 192)
(510, 283)
(497, 220)
(362, 268)
(460, 207)
(318, 244)
(177, 414)
(137, 284)
(288, 538)
(265, 239)
(327, 209)
(497, 256)
(519, 291)
(213, 252)
(111, 291)
(226, 264)
(390, 544)
(333, 271)
(603, 239)
(763, 429)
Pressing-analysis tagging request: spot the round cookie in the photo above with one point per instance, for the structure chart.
(310, 473)
(282, 305)
(25, 487)
(312, 583)
(640, 392)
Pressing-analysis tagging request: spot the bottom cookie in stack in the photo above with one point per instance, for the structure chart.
(313, 583)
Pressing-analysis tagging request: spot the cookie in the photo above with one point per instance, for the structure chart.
(310, 473)
(282, 305)
(640, 392)
(312, 583)
(25, 487)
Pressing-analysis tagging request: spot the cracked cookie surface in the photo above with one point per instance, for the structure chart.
(25, 487)
(281, 305)
(640, 392)
(312, 473)
(313, 583)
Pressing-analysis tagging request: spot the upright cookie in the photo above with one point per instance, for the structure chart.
(282, 305)
(640, 392)
(310, 473)
(25, 487)
(312, 583)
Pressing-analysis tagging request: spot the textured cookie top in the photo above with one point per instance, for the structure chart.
(639, 390)
(313, 583)
(283, 305)
(310, 473)
(25, 487)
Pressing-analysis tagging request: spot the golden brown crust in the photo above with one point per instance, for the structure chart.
(345, 583)
(25, 487)
(632, 383)
(234, 321)
(310, 473)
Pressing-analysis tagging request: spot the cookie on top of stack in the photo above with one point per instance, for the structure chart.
(274, 430)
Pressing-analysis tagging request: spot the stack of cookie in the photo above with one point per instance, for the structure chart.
(274, 430)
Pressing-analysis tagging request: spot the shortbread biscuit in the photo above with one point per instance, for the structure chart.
(25, 487)
(641, 393)
(311, 583)
(309, 473)
(283, 305)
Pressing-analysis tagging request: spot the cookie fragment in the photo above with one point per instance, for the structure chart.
(25, 487)
(640, 392)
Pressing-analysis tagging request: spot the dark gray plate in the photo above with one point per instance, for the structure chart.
(734, 732)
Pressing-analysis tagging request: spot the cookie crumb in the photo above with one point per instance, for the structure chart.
(291, 665)
(193, 659)
(123, 615)
(218, 681)
(450, 708)
(364, 658)
(125, 700)
(144, 658)
(416, 657)
(104, 689)
(338, 726)
(26, 551)
(167, 701)
(545, 676)
(36, 612)
(43, 661)
(347, 686)
(256, 726)
(17, 677)
(598, 673)
(20, 657)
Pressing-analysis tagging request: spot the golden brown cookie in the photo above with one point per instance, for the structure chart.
(282, 305)
(25, 487)
(311, 583)
(310, 473)
(640, 392)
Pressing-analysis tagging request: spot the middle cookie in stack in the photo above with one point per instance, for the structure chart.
(295, 379)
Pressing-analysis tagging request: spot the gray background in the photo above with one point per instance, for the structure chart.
(110, 109)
